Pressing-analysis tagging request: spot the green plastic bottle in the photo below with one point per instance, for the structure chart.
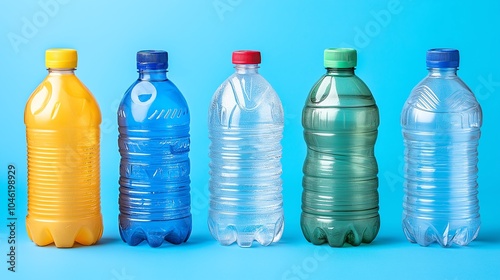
(340, 120)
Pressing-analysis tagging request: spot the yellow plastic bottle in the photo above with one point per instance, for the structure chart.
(62, 131)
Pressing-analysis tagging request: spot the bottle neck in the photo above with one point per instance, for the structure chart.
(340, 71)
(442, 72)
(153, 75)
(61, 71)
(247, 68)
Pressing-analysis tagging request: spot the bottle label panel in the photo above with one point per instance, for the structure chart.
(416, 119)
(341, 119)
(154, 147)
(149, 172)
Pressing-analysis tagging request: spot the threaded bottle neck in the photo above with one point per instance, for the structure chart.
(442, 72)
(247, 68)
(61, 71)
(340, 71)
(153, 75)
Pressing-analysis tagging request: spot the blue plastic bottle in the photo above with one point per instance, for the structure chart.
(441, 127)
(153, 120)
(245, 124)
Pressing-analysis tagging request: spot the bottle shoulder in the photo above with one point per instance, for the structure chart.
(248, 89)
(62, 100)
(159, 102)
(340, 91)
(444, 104)
(442, 95)
(166, 87)
(245, 99)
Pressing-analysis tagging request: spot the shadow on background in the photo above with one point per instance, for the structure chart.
(196, 240)
(491, 236)
(291, 238)
(109, 240)
(379, 241)
(389, 241)
(102, 242)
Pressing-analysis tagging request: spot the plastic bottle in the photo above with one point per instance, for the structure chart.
(153, 120)
(62, 131)
(340, 120)
(441, 123)
(245, 123)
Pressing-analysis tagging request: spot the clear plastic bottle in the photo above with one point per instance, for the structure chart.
(245, 128)
(153, 120)
(63, 137)
(441, 123)
(340, 120)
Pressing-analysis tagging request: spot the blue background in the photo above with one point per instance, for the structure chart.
(391, 38)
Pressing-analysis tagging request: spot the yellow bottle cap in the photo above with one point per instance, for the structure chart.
(61, 58)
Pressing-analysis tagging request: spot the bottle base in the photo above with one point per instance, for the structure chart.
(134, 232)
(424, 232)
(227, 231)
(64, 234)
(337, 233)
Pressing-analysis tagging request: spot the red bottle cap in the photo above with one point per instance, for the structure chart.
(246, 57)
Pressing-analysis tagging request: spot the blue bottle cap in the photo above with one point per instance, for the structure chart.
(152, 60)
(443, 58)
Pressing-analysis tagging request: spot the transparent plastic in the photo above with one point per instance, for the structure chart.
(62, 131)
(154, 142)
(340, 197)
(245, 128)
(441, 123)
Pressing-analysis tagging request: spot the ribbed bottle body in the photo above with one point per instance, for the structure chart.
(245, 129)
(340, 197)
(154, 145)
(63, 138)
(441, 124)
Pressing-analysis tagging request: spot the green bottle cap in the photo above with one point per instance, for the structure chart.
(340, 58)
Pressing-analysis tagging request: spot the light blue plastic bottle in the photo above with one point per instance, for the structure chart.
(153, 120)
(441, 123)
(245, 128)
